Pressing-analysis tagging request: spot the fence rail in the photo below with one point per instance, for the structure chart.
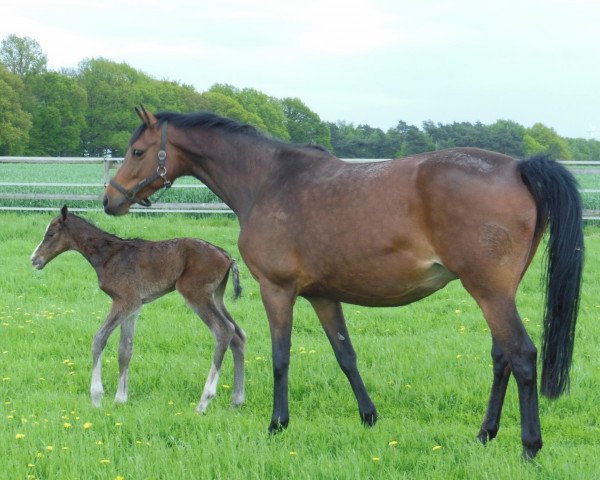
(172, 207)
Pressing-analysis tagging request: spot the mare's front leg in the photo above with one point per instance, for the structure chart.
(118, 312)
(332, 319)
(125, 353)
(279, 304)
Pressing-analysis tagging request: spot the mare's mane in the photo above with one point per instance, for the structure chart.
(212, 121)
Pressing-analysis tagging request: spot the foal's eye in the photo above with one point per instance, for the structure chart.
(137, 152)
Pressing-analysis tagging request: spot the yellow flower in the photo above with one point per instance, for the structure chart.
(292, 453)
(436, 448)
(99, 442)
(31, 465)
(49, 448)
(19, 436)
(376, 459)
(67, 425)
(225, 386)
(87, 425)
(119, 477)
(118, 424)
(104, 461)
(393, 443)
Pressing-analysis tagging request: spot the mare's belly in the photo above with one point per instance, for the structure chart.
(383, 290)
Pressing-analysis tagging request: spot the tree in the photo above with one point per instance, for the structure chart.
(58, 115)
(543, 139)
(269, 109)
(22, 56)
(304, 125)
(229, 107)
(506, 136)
(404, 140)
(15, 122)
(113, 89)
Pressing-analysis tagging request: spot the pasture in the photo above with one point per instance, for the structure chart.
(426, 366)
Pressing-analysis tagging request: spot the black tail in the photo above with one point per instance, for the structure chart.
(559, 207)
(237, 288)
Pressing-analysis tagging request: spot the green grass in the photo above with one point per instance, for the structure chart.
(426, 366)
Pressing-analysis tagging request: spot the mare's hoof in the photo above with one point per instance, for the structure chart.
(485, 436)
(529, 452)
(369, 419)
(277, 426)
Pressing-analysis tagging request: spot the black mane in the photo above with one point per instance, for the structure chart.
(212, 121)
(200, 119)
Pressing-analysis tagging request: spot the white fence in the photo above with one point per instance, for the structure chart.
(112, 163)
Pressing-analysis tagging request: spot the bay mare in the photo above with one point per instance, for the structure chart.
(381, 234)
(135, 272)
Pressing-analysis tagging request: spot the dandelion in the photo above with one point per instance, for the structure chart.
(118, 424)
(99, 442)
(50, 448)
(121, 477)
(408, 385)
(436, 448)
(67, 425)
(225, 386)
(171, 402)
(293, 453)
(376, 459)
(10, 417)
(393, 443)
(104, 461)
(31, 465)
(178, 413)
(19, 436)
(87, 425)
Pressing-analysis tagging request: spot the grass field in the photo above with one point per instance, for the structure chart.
(426, 366)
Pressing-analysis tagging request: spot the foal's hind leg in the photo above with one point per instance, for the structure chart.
(332, 319)
(125, 353)
(491, 421)
(520, 353)
(238, 347)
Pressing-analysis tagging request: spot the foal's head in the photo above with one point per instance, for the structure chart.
(56, 240)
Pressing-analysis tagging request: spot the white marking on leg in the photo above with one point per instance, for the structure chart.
(341, 337)
(121, 396)
(96, 388)
(210, 389)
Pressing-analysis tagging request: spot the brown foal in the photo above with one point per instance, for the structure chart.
(135, 272)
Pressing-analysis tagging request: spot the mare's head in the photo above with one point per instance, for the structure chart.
(56, 240)
(145, 168)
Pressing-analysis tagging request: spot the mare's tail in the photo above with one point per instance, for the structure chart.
(237, 288)
(558, 206)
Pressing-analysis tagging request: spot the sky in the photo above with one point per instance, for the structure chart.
(369, 61)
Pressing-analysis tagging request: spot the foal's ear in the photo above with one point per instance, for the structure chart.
(64, 211)
(147, 117)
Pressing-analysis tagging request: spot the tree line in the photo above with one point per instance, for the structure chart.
(88, 111)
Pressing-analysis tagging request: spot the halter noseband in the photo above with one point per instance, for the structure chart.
(161, 172)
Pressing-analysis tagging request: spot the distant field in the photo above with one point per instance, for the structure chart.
(427, 367)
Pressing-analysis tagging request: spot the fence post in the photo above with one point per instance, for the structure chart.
(107, 163)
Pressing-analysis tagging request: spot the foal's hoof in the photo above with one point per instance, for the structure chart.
(485, 436)
(277, 426)
(369, 418)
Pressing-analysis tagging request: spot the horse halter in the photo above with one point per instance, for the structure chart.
(161, 172)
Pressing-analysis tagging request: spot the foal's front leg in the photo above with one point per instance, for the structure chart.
(125, 353)
(118, 312)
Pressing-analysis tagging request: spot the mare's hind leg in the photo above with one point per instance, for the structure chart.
(520, 353)
(118, 312)
(332, 319)
(125, 353)
(491, 421)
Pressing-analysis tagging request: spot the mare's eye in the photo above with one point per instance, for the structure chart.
(137, 152)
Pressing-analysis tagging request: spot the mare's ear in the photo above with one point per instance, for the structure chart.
(147, 117)
(64, 211)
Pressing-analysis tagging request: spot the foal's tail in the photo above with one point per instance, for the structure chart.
(558, 206)
(237, 288)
